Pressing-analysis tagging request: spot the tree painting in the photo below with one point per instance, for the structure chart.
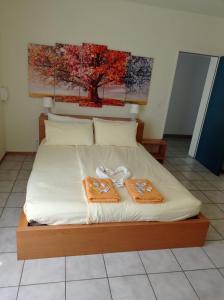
(89, 74)
(137, 78)
(41, 59)
(67, 72)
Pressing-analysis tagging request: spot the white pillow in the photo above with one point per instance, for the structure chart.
(117, 133)
(58, 118)
(59, 133)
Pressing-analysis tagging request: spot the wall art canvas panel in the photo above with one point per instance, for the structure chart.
(93, 70)
(137, 79)
(114, 83)
(67, 73)
(89, 74)
(41, 70)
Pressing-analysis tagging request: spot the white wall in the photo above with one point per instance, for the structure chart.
(122, 25)
(186, 94)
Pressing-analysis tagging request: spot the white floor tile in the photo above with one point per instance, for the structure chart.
(19, 186)
(30, 157)
(184, 168)
(219, 184)
(23, 175)
(125, 263)
(176, 161)
(88, 290)
(157, 261)
(168, 166)
(16, 200)
(215, 196)
(6, 186)
(131, 288)
(27, 165)
(209, 176)
(8, 293)
(51, 291)
(209, 284)
(15, 157)
(172, 286)
(85, 267)
(204, 185)
(10, 165)
(189, 185)
(212, 211)
(178, 175)
(201, 196)
(10, 269)
(221, 206)
(3, 198)
(190, 161)
(219, 226)
(190, 175)
(199, 168)
(216, 252)
(192, 258)
(213, 235)
(10, 217)
(8, 174)
(43, 270)
(7, 240)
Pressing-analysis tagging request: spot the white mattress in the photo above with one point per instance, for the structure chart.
(55, 194)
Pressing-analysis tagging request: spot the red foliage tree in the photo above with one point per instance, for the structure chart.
(42, 58)
(88, 66)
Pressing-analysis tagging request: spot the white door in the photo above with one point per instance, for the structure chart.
(203, 105)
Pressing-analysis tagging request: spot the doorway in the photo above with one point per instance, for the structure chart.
(185, 107)
(188, 86)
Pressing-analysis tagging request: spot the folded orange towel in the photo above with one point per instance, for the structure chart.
(100, 190)
(144, 191)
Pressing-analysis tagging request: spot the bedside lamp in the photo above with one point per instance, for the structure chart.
(134, 110)
(48, 103)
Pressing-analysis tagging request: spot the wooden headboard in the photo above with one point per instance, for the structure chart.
(139, 134)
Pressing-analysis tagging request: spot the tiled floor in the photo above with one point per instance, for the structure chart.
(170, 274)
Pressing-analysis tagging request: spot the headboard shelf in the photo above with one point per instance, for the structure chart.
(43, 117)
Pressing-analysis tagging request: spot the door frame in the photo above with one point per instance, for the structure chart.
(205, 98)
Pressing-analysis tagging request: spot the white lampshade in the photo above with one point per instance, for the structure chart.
(47, 102)
(4, 94)
(134, 109)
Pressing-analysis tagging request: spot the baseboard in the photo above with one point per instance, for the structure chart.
(19, 153)
(182, 136)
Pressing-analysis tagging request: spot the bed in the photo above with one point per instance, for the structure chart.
(63, 228)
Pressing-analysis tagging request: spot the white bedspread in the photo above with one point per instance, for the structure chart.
(55, 194)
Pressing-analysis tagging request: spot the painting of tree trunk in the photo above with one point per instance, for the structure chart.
(88, 74)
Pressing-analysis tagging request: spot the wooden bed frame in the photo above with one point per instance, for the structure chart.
(65, 240)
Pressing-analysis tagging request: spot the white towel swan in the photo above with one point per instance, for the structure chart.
(118, 176)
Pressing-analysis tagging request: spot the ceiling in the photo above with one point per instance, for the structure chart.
(207, 7)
